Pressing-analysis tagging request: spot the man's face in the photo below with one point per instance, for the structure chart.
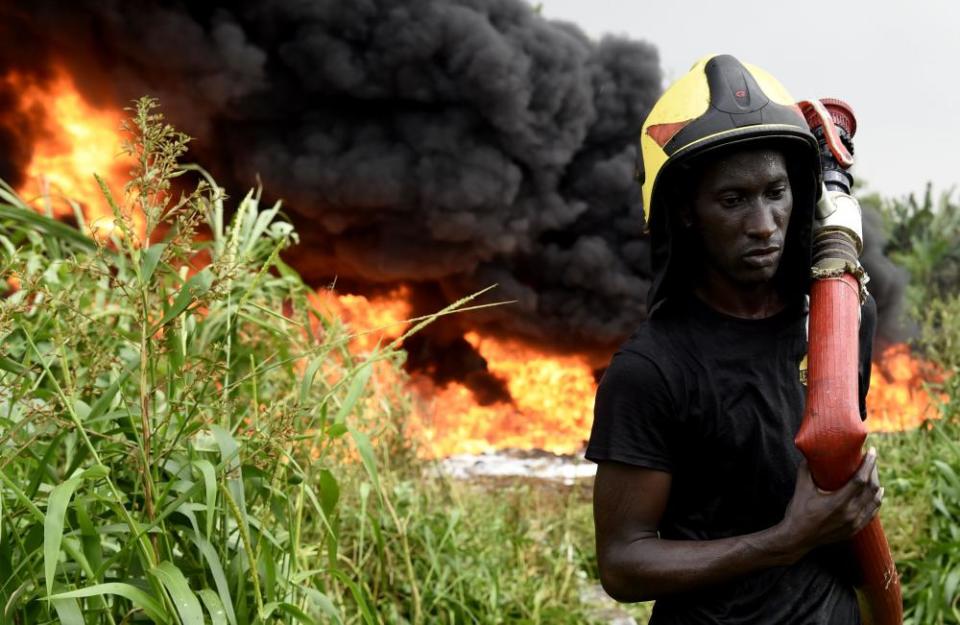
(740, 211)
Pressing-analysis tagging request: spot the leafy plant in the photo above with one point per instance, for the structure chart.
(166, 431)
(925, 240)
(185, 439)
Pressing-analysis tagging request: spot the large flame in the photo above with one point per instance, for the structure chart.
(370, 321)
(898, 399)
(73, 141)
(552, 406)
(552, 396)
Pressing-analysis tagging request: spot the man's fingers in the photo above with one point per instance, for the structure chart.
(869, 511)
(867, 469)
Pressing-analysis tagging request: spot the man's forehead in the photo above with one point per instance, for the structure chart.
(744, 164)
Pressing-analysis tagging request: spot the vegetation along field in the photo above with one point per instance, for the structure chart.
(186, 437)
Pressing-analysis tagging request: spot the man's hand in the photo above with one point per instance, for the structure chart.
(636, 565)
(815, 517)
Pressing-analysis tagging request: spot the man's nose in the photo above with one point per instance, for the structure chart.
(763, 220)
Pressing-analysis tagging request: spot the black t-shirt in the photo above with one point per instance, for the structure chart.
(716, 401)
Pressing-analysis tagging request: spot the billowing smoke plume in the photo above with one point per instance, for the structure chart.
(444, 144)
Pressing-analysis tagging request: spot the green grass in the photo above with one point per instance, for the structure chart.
(919, 469)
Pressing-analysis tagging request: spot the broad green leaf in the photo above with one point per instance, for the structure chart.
(81, 408)
(191, 290)
(262, 221)
(366, 610)
(214, 606)
(139, 598)
(186, 603)
(216, 569)
(68, 611)
(369, 459)
(288, 608)
(360, 378)
(95, 472)
(53, 521)
(11, 365)
(210, 492)
(951, 584)
(230, 456)
(329, 491)
(103, 402)
(47, 225)
(323, 602)
(149, 261)
(336, 430)
(308, 377)
(89, 537)
(229, 449)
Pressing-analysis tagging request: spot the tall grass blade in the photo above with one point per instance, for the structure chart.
(53, 522)
(195, 287)
(42, 223)
(185, 602)
(214, 606)
(286, 608)
(359, 382)
(151, 606)
(209, 554)
(68, 611)
(149, 261)
(367, 456)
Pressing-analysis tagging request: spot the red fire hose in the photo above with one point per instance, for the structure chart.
(831, 435)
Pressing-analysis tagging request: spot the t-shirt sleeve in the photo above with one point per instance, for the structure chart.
(868, 327)
(634, 415)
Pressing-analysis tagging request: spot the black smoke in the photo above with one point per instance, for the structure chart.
(444, 144)
(887, 282)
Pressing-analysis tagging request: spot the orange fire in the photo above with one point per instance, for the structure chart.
(75, 141)
(552, 396)
(552, 406)
(553, 401)
(897, 399)
(369, 320)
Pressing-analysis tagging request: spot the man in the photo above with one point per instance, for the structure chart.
(702, 500)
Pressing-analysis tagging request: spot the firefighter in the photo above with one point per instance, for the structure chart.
(702, 501)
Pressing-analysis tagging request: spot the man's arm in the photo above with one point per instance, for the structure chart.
(636, 565)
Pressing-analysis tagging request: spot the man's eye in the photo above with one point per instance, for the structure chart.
(776, 194)
(730, 201)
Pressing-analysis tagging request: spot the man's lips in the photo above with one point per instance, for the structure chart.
(763, 256)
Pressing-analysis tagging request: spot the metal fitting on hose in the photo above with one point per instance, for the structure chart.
(840, 212)
(838, 237)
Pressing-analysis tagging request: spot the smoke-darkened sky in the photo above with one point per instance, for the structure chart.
(895, 62)
(442, 144)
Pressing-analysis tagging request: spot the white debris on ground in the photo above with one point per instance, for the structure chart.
(511, 463)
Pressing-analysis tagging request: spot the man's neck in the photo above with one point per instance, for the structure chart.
(746, 301)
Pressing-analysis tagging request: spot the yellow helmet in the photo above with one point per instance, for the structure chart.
(721, 103)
